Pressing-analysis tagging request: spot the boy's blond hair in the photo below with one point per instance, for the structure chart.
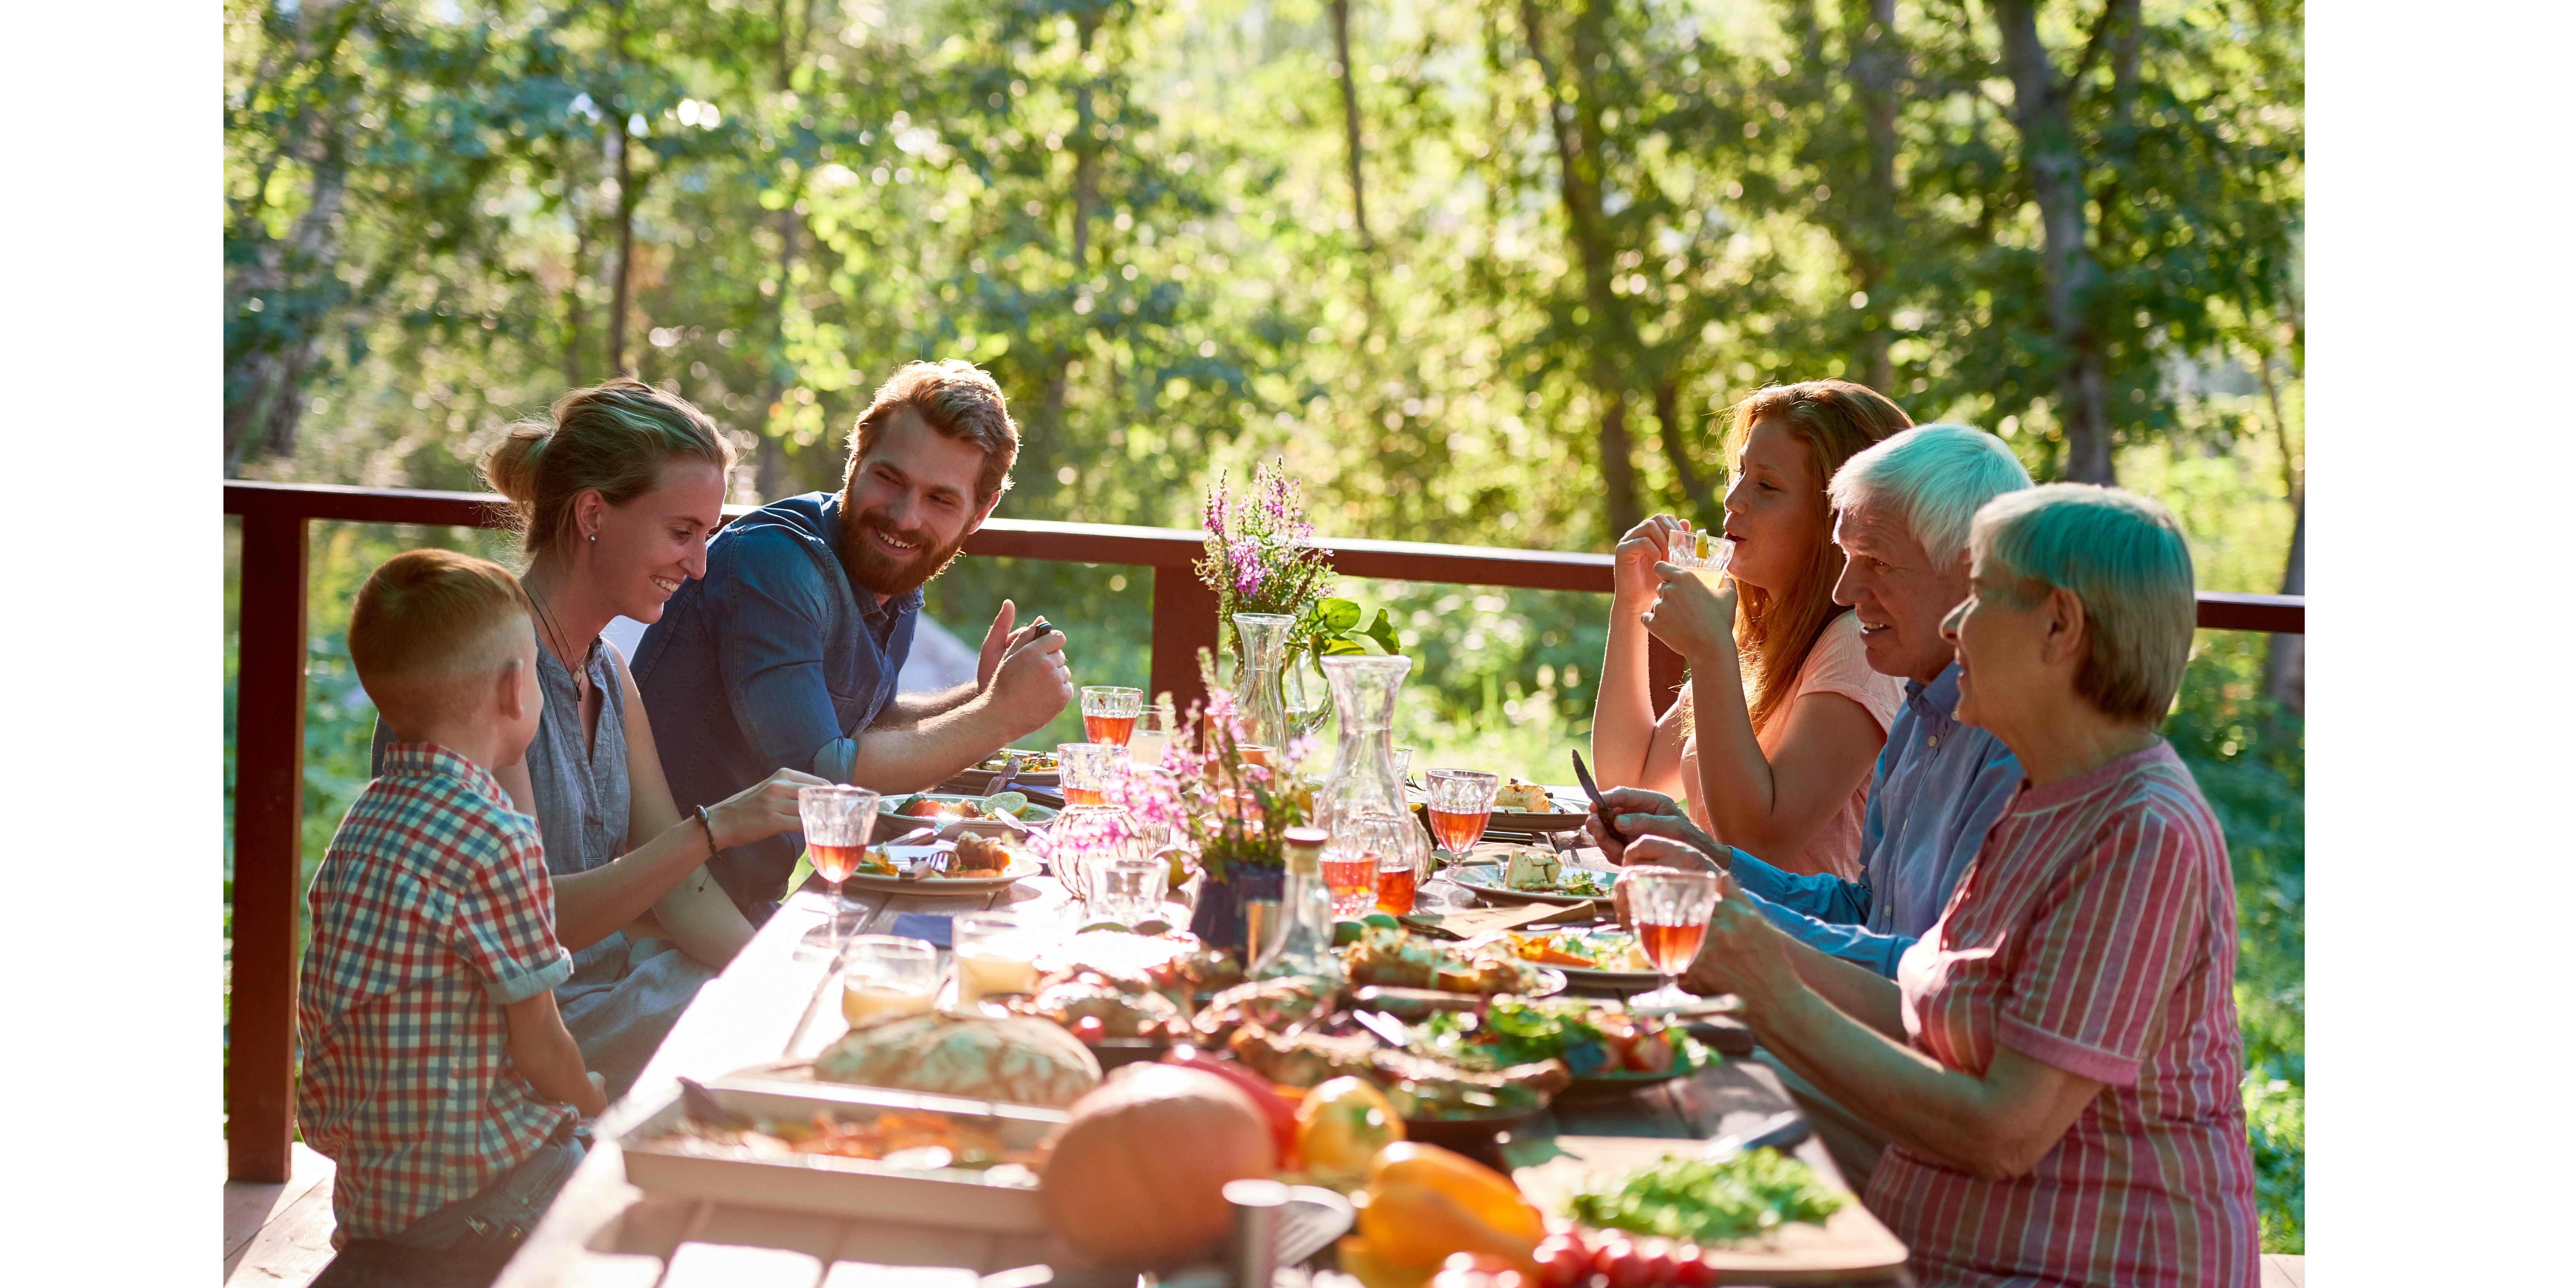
(426, 623)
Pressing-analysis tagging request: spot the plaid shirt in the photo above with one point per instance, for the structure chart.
(430, 913)
(2096, 932)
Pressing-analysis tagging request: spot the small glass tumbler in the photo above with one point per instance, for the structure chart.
(887, 975)
(1109, 714)
(1127, 890)
(1153, 732)
(996, 955)
(836, 820)
(1086, 770)
(1461, 802)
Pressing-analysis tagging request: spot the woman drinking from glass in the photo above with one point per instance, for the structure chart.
(2057, 1061)
(1772, 755)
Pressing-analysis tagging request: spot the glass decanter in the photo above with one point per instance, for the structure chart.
(1303, 942)
(1095, 828)
(1261, 705)
(1362, 804)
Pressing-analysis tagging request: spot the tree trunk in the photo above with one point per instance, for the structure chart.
(2285, 662)
(1086, 156)
(1351, 118)
(572, 295)
(1875, 62)
(1579, 182)
(769, 461)
(289, 277)
(1669, 428)
(625, 247)
(2055, 167)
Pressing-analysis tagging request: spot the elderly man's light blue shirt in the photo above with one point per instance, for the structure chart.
(1937, 788)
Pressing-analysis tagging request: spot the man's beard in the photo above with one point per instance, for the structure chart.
(868, 566)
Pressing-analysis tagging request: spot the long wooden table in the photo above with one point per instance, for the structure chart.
(606, 1233)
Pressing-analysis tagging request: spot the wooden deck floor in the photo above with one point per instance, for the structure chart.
(279, 1236)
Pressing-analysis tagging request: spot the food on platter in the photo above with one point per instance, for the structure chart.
(1583, 950)
(978, 856)
(926, 1142)
(1273, 1004)
(1426, 1206)
(1010, 806)
(1019, 1059)
(1418, 1086)
(1532, 869)
(1137, 1176)
(1743, 1197)
(1342, 1124)
(1397, 958)
(1591, 1040)
(1092, 1010)
(1519, 795)
(1585, 883)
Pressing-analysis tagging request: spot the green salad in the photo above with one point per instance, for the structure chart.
(1750, 1194)
(1592, 1041)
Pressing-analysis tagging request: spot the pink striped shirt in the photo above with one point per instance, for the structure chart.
(2095, 931)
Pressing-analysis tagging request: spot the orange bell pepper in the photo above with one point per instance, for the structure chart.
(1426, 1202)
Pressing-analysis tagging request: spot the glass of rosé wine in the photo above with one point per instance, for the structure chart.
(1670, 907)
(1460, 802)
(836, 820)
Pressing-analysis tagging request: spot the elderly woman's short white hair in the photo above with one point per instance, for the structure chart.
(2125, 558)
(1936, 478)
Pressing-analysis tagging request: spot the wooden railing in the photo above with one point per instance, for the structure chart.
(269, 738)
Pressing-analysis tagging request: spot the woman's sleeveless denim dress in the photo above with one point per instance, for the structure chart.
(623, 996)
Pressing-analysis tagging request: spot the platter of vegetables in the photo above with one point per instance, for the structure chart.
(1602, 1047)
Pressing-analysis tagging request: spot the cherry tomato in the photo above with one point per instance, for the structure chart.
(1476, 1270)
(1657, 1257)
(1691, 1268)
(1563, 1261)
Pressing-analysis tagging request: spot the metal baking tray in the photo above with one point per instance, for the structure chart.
(956, 1198)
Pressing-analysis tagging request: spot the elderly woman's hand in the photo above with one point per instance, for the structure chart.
(1689, 617)
(1654, 852)
(1744, 953)
(1641, 813)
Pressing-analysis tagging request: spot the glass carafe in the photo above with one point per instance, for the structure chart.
(1095, 828)
(1260, 704)
(1362, 803)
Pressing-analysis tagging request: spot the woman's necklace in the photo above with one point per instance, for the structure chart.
(558, 642)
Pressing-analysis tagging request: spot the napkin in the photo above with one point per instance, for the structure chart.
(932, 927)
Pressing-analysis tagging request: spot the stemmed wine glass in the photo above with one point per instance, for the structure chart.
(1671, 907)
(837, 820)
(1461, 802)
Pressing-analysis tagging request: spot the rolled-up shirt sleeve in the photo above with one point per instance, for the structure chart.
(1822, 896)
(501, 926)
(775, 612)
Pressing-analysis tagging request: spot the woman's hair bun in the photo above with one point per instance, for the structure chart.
(510, 468)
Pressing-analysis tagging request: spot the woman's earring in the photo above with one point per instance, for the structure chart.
(594, 537)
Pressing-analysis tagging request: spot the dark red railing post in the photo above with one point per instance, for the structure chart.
(1184, 622)
(268, 820)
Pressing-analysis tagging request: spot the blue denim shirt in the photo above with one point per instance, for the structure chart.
(771, 661)
(1936, 791)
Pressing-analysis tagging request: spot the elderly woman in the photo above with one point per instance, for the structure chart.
(2057, 1060)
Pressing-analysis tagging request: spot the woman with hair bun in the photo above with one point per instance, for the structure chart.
(614, 495)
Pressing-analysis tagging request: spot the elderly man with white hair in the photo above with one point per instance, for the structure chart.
(2057, 1061)
(1902, 510)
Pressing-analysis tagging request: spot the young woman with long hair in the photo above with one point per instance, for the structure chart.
(1772, 755)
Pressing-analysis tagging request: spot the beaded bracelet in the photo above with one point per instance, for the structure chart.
(712, 849)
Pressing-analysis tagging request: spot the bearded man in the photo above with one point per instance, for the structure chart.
(784, 654)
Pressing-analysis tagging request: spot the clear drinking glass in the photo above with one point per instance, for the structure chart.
(836, 820)
(887, 975)
(1153, 732)
(996, 954)
(1403, 757)
(1127, 890)
(1109, 714)
(1706, 554)
(1086, 768)
(1671, 907)
(1461, 801)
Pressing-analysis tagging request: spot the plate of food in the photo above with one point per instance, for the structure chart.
(1595, 956)
(1535, 874)
(991, 816)
(1604, 1047)
(1398, 958)
(1037, 769)
(1523, 806)
(970, 862)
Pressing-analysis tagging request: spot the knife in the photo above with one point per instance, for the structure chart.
(1781, 1131)
(1583, 776)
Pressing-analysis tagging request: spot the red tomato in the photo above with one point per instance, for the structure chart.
(1619, 1260)
(1563, 1261)
(1476, 1270)
(1653, 1053)
(1691, 1268)
(1657, 1256)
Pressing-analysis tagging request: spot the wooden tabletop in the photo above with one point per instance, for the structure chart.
(773, 1002)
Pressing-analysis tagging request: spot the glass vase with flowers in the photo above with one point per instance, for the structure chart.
(1262, 562)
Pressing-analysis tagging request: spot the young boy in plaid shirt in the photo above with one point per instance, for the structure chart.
(437, 1074)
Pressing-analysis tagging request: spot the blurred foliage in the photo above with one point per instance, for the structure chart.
(1590, 229)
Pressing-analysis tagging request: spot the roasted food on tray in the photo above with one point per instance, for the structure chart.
(899, 1139)
(1583, 949)
(1092, 1009)
(1399, 959)
(1419, 1086)
(1273, 1004)
(978, 856)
